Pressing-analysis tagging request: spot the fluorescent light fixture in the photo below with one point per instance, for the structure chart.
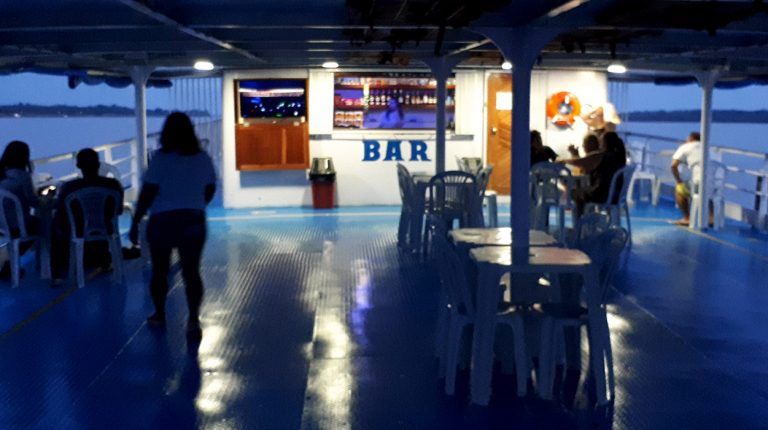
(617, 68)
(566, 7)
(330, 65)
(506, 65)
(204, 65)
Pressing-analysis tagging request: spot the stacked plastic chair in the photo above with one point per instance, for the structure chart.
(604, 245)
(643, 172)
(546, 194)
(487, 198)
(459, 314)
(453, 198)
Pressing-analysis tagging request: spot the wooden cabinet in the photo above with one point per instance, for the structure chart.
(282, 145)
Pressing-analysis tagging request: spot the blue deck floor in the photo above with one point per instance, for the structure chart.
(314, 320)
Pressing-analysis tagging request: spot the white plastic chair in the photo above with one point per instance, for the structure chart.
(716, 177)
(89, 205)
(404, 235)
(639, 156)
(453, 197)
(487, 198)
(13, 230)
(545, 182)
(616, 203)
(460, 313)
(111, 171)
(604, 248)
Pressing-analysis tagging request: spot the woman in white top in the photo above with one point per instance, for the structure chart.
(179, 183)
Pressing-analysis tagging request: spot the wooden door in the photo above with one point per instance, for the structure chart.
(499, 131)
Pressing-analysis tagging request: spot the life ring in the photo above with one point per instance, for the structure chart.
(563, 108)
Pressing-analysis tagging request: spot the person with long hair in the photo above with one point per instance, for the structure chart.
(16, 174)
(179, 183)
(16, 177)
(393, 116)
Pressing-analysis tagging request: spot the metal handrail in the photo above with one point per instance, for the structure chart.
(656, 147)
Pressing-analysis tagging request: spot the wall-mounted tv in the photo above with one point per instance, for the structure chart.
(271, 98)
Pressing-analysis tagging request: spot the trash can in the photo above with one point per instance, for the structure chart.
(323, 178)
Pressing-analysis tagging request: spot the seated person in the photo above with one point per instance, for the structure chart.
(539, 152)
(15, 176)
(601, 162)
(592, 154)
(602, 119)
(96, 253)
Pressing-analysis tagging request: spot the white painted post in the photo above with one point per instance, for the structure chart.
(521, 46)
(140, 75)
(441, 68)
(706, 80)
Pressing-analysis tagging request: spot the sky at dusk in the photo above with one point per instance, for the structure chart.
(51, 90)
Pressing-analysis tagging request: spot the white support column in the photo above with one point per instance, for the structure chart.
(707, 80)
(441, 68)
(140, 75)
(521, 46)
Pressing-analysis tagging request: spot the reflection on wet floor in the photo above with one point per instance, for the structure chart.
(319, 322)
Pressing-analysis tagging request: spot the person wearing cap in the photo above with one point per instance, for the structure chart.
(96, 253)
(602, 119)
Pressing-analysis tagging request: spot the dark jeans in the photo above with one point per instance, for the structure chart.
(185, 230)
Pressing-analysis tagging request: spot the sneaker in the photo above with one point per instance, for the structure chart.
(156, 319)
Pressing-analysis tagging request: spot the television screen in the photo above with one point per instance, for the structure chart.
(272, 98)
(389, 101)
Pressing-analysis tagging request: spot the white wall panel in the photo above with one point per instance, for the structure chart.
(361, 182)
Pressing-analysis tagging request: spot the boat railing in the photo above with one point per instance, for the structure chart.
(746, 188)
(122, 154)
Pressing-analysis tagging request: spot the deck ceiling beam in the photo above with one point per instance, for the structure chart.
(164, 19)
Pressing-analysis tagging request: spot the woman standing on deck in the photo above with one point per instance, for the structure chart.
(179, 183)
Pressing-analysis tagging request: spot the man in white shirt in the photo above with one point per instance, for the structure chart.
(688, 154)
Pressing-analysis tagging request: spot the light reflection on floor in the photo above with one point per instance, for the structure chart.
(318, 322)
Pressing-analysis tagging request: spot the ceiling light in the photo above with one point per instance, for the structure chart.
(617, 68)
(506, 65)
(204, 65)
(330, 65)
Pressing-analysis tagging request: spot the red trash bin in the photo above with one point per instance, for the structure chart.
(323, 178)
(323, 193)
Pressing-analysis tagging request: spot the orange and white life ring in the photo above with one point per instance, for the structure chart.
(563, 108)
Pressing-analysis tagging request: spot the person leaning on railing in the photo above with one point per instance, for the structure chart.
(688, 154)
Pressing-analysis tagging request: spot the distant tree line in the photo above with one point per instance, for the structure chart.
(724, 115)
(26, 110)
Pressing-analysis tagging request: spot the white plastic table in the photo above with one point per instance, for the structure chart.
(492, 263)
